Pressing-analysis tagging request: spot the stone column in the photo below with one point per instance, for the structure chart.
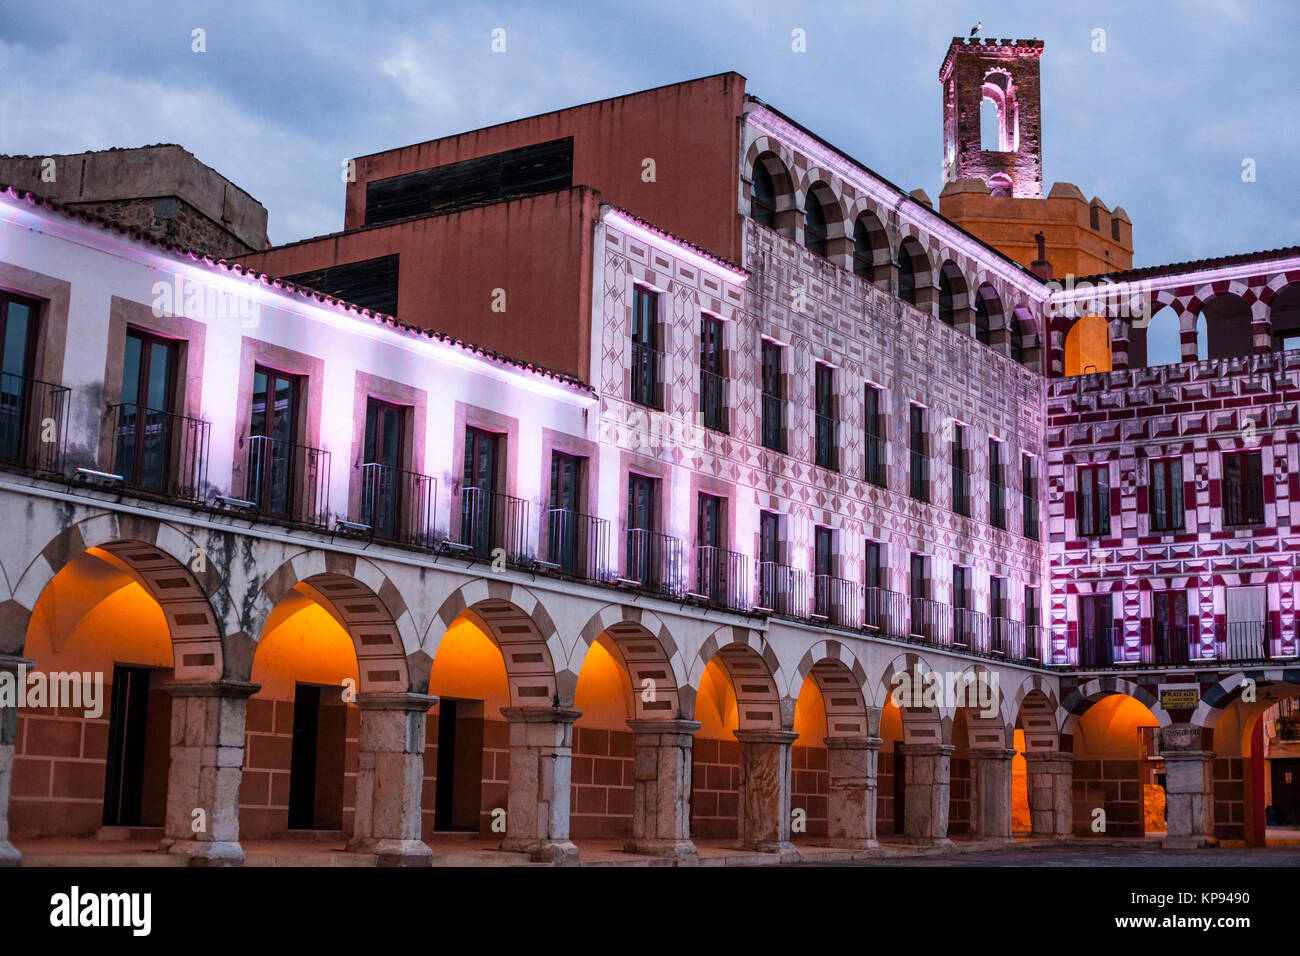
(9, 672)
(764, 823)
(207, 765)
(1050, 786)
(390, 778)
(661, 801)
(926, 791)
(1189, 788)
(990, 777)
(851, 805)
(541, 758)
(963, 318)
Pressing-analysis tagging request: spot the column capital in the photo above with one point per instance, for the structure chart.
(853, 743)
(926, 750)
(222, 687)
(395, 700)
(992, 753)
(1187, 755)
(765, 736)
(671, 726)
(1033, 756)
(540, 715)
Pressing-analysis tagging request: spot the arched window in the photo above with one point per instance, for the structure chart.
(1016, 340)
(762, 196)
(864, 255)
(982, 319)
(814, 226)
(945, 298)
(906, 277)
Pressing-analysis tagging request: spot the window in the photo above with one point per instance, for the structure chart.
(762, 196)
(480, 511)
(645, 352)
(997, 487)
(273, 450)
(945, 298)
(960, 471)
(1034, 649)
(961, 587)
(383, 455)
(649, 560)
(1243, 488)
(923, 613)
(1096, 631)
(814, 226)
(864, 254)
(1093, 500)
(1029, 496)
(144, 424)
(826, 452)
(981, 318)
(713, 401)
(1033, 610)
(1246, 624)
(1170, 627)
(711, 566)
(874, 423)
(774, 580)
(773, 398)
(919, 453)
(874, 574)
(567, 529)
(828, 598)
(1016, 340)
(17, 353)
(1166, 492)
(906, 277)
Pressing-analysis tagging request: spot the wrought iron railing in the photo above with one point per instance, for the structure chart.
(714, 401)
(159, 451)
(931, 621)
(1169, 645)
(920, 476)
(827, 446)
(836, 600)
(33, 423)
(286, 480)
(774, 422)
(1242, 641)
(1007, 638)
(493, 524)
(654, 561)
(1096, 646)
(876, 471)
(578, 544)
(646, 363)
(1036, 644)
(723, 577)
(970, 629)
(782, 589)
(397, 504)
(1243, 502)
(885, 612)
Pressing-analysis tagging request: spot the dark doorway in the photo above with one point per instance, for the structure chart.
(139, 750)
(460, 765)
(316, 759)
(900, 786)
(1286, 792)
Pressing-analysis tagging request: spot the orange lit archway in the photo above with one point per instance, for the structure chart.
(1087, 346)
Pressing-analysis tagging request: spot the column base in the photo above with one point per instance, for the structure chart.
(205, 852)
(394, 852)
(683, 851)
(555, 852)
(1188, 843)
(926, 841)
(9, 855)
(769, 846)
(847, 843)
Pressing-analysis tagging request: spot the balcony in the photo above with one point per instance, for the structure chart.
(875, 464)
(782, 590)
(722, 577)
(1007, 639)
(835, 600)
(920, 476)
(646, 364)
(1170, 644)
(931, 622)
(1242, 641)
(287, 481)
(774, 422)
(826, 450)
(159, 452)
(654, 561)
(397, 505)
(998, 505)
(961, 491)
(1036, 646)
(1029, 506)
(493, 524)
(1093, 517)
(33, 423)
(970, 629)
(714, 402)
(1096, 646)
(1243, 503)
(577, 544)
(885, 612)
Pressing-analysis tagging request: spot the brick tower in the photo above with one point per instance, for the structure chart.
(1005, 72)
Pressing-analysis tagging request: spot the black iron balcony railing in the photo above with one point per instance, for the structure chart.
(1166, 509)
(782, 589)
(1029, 505)
(723, 577)
(578, 544)
(1036, 646)
(875, 470)
(1094, 516)
(286, 480)
(827, 442)
(970, 629)
(931, 621)
(714, 401)
(961, 491)
(492, 522)
(835, 600)
(397, 504)
(646, 363)
(1242, 641)
(1007, 638)
(774, 421)
(33, 423)
(1096, 646)
(1243, 502)
(998, 505)
(160, 451)
(920, 476)
(654, 561)
(885, 612)
(1169, 645)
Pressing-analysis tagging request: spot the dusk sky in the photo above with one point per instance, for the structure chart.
(1159, 123)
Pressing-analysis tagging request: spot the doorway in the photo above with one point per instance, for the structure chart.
(460, 766)
(139, 749)
(316, 758)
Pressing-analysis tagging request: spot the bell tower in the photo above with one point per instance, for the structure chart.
(1004, 72)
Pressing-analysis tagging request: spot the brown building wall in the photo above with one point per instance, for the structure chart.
(536, 249)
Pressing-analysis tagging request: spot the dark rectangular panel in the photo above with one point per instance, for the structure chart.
(370, 283)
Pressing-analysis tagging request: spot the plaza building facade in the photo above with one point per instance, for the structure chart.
(799, 445)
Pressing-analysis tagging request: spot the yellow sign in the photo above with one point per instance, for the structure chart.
(1182, 699)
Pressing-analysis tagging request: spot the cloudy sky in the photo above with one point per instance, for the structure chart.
(1159, 123)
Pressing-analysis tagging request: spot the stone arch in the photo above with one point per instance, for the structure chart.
(921, 725)
(989, 314)
(515, 619)
(771, 196)
(823, 222)
(364, 602)
(1087, 347)
(842, 680)
(985, 731)
(1022, 337)
(190, 593)
(915, 273)
(755, 674)
(1036, 705)
(1283, 313)
(870, 247)
(1229, 327)
(648, 651)
(953, 292)
(1076, 703)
